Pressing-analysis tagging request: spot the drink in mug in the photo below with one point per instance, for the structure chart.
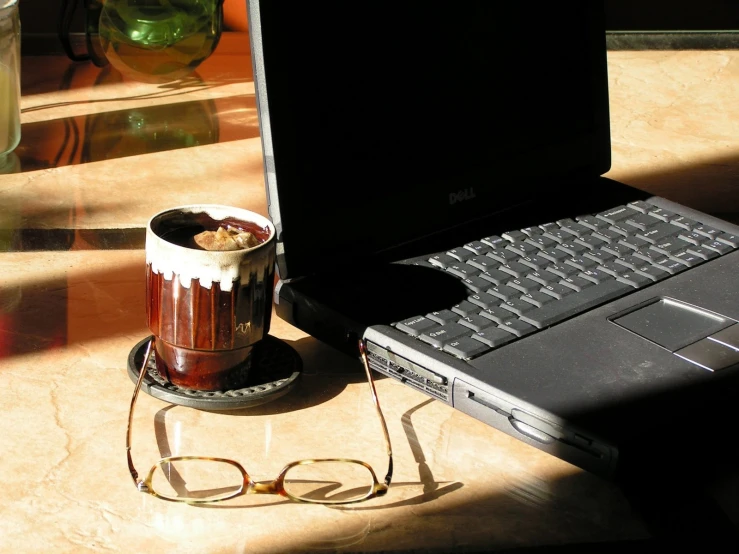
(208, 308)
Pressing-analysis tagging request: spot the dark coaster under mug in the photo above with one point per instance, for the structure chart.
(275, 368)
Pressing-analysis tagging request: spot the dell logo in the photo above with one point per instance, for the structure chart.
(461, 196)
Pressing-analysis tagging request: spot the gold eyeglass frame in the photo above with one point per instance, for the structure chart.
(248, 486)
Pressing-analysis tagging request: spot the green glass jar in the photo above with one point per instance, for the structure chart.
(10, 87)
(158, 41)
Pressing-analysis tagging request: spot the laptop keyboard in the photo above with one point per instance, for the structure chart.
(529, 279)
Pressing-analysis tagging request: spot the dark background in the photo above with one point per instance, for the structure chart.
(40, 16)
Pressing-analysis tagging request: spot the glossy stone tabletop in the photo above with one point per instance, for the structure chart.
(99, 156)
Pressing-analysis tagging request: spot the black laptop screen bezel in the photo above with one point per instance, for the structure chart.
(333, 206)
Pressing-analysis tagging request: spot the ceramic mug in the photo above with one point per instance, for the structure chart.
(207, 308)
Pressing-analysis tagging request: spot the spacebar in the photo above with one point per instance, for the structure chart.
(575, 303)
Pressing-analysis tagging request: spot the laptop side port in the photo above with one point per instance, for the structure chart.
(408, 372)
(566, 443)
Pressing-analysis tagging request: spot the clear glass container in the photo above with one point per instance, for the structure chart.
(158, 41)
(10, 85)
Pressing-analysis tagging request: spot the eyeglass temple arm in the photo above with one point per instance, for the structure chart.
(373, 391)
(142, 372)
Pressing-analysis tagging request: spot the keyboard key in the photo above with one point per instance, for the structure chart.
(612, 268)
(503, 256)
(537, 298)
(640, 206)
(608, 235)
(653, 272)
(515, 268)
(416, 325)
(524, 284)
(684, 222)
(477, 284)
(719, 247)
(504, 292)
(477, 247)
(617, 214)
(484, 300)
(444, 334)
(421, 263)
(522, 248)
(475, 322)
(576, 283)
(461, 254)
(622, 229)
(591, 242)
(572, 248)
(534, 262)
(443, 317)
(558, 235)
(532, 231)
(672, 266)
(595, 276)
(465, 348)
(575, 303)
(462, 270)
(661, 213)
(494, 241)
(518, 327)
(496, 276)
(513, 236)
(443, 260)
(554, 255)
(465, 308)
(496, 314)
(649, 255)
(483, 263)
(687, 258)
(634, 243)
(600, 256)
(659, 232)
(543, 277)
(669, 246)
(494, 336)
(617, 249)
(557, 290)
(563, 270)
(705, 253)
(581, 263)
(706, 231)
(693, 238)
(548, 226)
(540, 241)
(576, 229)
(731, 240)
(635, 279)
(592, 222)
(517, 306)
(641, 221)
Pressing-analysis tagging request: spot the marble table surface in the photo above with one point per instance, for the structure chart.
(99, 156)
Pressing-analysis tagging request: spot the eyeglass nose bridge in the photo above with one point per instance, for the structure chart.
(265, 487)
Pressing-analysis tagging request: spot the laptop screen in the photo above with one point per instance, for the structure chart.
(385, 122)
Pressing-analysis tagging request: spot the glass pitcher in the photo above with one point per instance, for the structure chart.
(154, 41)
(10, 86)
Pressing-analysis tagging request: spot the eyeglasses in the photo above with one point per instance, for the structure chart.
(200, 479)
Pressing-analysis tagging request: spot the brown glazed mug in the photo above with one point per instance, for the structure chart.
(207, 308)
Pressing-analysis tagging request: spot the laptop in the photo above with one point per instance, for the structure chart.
(435, 175)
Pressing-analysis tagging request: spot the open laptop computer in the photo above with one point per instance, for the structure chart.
(434, 172)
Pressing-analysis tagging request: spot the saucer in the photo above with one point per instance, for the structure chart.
(275, 369)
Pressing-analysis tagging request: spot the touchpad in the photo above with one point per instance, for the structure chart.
(672, 324)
